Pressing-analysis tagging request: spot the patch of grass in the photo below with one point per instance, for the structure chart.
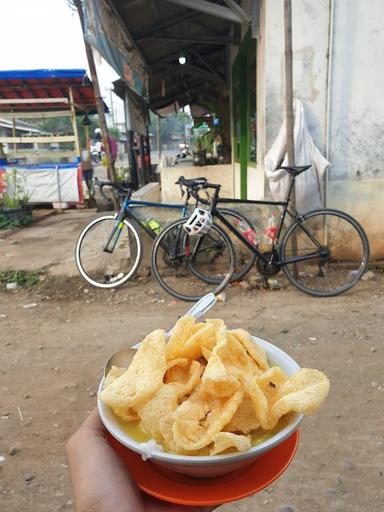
(23, 278)
(7, 224)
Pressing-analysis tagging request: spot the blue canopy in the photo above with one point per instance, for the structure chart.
(37, 84)
(33, 74)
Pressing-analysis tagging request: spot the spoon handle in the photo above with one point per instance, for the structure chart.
(197, 310)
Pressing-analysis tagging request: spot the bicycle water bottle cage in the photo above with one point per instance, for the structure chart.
(199, 222)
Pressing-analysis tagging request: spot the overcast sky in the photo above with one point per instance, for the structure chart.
(40, 34)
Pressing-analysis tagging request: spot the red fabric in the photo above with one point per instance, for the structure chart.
(80, 184)
(3, 183)
(112, 146)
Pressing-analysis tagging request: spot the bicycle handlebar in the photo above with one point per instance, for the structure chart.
(124, 188)
(194, 185)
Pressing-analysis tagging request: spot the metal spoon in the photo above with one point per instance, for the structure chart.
(122, 358)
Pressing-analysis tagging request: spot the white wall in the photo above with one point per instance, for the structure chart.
(255, 183)
(354, 85)
(310, 45)
(357, 103)
(222, 174)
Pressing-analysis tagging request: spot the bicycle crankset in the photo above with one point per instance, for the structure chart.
(267, 268)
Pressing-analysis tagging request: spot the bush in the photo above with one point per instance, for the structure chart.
(5, 223)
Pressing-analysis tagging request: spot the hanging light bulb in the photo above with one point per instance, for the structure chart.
(182, 60)
(86, 121)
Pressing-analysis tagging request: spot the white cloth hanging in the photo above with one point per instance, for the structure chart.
(308, 185)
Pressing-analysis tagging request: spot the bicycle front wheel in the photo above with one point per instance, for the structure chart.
(175, 253)
(324, 253)
(108, 253)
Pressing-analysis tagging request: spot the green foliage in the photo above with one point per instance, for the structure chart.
(122, 174)
(17, 194)
(5, 223)
(23, 278)
(173, 124)
(63, 126)
(205, 141)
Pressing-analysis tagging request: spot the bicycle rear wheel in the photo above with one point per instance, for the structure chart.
(108, 253)
(325, 253)
(174, 252)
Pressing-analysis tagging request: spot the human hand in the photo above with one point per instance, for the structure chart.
(100, 480)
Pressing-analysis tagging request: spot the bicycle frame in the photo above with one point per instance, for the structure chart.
(128, 210)
(285, 211)
(129, 206)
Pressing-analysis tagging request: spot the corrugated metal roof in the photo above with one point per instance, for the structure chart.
(47, 83)
(163, 31)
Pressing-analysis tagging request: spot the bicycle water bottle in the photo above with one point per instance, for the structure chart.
(154, 225)
(248, 232)
(148, 222)
(270, 233)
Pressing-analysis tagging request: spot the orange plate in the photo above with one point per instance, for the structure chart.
(186, 490)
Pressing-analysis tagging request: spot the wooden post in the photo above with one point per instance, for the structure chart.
(289, 106)
(99, 100)
(158, 141)
(14, 146)
(74, 124)
(288, 81)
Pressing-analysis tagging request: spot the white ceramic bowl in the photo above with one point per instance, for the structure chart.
(216, 465)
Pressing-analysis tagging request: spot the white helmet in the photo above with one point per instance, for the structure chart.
(97, 131)
(199, 222)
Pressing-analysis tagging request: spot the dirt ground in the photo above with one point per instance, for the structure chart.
(55, 339)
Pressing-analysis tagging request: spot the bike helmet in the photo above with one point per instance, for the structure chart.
(199, 222)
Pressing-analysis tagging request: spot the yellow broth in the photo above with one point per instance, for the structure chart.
(135, 431)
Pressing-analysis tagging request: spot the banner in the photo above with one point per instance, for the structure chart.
(136, 113)
(105, 32)
(49, 184)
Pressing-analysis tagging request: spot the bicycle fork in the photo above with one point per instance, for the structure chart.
(114, 236)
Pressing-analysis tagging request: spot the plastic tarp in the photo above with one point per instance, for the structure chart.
(105, 32)
(308, 185)
(44, 74)
(136, 113)
(49, 184)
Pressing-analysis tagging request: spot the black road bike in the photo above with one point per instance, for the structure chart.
(323, 252)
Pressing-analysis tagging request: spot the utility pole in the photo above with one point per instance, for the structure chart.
(289, 106)
(112, 107)
(99, 100)
(289, 81)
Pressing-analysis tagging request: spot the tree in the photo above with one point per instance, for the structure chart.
(63, 126)
(173, 124)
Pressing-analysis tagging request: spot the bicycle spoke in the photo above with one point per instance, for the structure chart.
(330, 253)
(106, 256)
(182, 266)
